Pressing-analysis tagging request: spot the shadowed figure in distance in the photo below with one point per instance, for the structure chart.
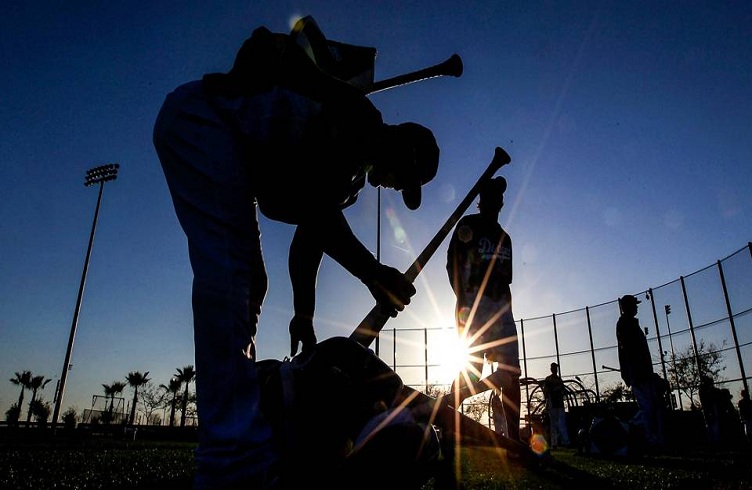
(745, 414)
(278, 134)
(479, 265)
(636, 367)
(554, 392)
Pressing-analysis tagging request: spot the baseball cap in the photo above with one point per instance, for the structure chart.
(553, 364)
(493, 189)
(418, 160)
(629, 299)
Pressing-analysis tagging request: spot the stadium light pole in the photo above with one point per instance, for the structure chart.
(97, 175)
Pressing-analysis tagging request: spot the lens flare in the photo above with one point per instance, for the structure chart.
(538, 444)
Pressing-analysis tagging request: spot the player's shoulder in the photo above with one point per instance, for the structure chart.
(468, 218)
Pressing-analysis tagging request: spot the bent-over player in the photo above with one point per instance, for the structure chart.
(277, 134)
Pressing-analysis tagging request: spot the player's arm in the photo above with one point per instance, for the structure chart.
(303, 264)
(388, 286)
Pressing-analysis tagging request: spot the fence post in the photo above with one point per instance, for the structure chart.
(658, 334)
(691, 327)
(425, 355)
(556, 338)
(592, 355)
(524, 364)
(733, 326)
(394, 349)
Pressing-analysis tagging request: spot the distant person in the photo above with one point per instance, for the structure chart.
(721, 419)
(278, 134)
(479, 265)
(497, 413)
(709, 398)
(745, 414)
(732, 434)
(554, 393)
(664, 391)
(744, 405)
(636, 366)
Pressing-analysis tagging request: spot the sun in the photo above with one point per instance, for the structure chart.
(454, 353)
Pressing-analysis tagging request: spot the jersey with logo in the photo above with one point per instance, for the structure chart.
(480, 248)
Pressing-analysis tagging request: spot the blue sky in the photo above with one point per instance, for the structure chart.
(628, 124)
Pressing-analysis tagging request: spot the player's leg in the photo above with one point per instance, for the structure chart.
(505, 352)
(217, 213)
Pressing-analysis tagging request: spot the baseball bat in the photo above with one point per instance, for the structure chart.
(372, 324)
(459, 426)
(452, 66)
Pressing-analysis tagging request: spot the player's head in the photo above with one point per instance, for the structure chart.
(408, 158)
(492, 194)
(628, 303)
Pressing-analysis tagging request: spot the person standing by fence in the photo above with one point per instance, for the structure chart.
(554, 392)
(745, 414)
(636, 366)
(497, 413)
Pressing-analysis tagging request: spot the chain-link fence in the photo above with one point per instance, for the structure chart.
(704, 315)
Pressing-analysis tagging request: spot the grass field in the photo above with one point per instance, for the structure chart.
(114, 463)
(570, 469)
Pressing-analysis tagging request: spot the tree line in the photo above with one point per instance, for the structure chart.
(175, 395)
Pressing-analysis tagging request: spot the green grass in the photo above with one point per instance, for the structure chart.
(487, 469)
(111, 463)
(96, 464)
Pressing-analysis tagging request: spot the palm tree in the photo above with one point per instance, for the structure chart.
(22, 379)
(112, 390)
(136, 379)
(185, 375)
(174, 388)
(37, 383)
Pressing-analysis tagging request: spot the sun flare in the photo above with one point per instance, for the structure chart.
(454, 355)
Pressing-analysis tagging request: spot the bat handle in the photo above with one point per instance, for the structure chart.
(370, 326)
